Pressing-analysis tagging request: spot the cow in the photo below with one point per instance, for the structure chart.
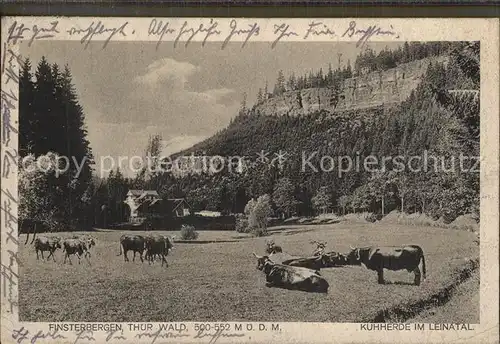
(134, 243)
(330, 259)
(271, 247)
(158, 245)
(50, 244)
(333, 259)
(320, 247)
(314, 263)
(291, 277)
(78, 246)
(378, 258)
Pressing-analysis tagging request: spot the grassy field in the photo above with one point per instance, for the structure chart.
(219, 281)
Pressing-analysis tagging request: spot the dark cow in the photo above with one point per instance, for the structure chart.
(291, 277)
(50, 244)
(134, 243)
(271, 247)
(378, 258)
(333, 259)
(78, 246)
(158, 245)
(330, 259)
(314, 263)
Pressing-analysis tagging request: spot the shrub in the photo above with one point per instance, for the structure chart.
(188, 233)
(259, 211)
(259, 232)
(242, 224)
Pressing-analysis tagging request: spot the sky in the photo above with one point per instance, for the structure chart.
(131, 90)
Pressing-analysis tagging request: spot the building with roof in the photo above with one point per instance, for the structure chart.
(147, 204)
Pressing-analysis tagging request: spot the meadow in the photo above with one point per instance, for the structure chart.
(217, 279)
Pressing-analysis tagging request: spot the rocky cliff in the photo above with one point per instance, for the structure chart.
(371, 90)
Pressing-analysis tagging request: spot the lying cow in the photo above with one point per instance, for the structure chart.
(134, 243)
(375, 258)
(271, 247)
(320, 247)
(78, 246)
(50, 244)
(291, 277)
(158, 245)
(314, 263)
(330, 259)
(333, 259)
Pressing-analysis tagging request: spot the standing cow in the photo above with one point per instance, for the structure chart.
(78, 246)
(158, 245)
(134, 243)
(50, 244)
(378, 258)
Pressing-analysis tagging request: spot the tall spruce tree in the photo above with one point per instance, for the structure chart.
(52, 120)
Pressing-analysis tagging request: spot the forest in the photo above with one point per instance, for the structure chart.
(52, 123)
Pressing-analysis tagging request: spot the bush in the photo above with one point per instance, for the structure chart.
(188, 233)
(242, 224)
(259, 232)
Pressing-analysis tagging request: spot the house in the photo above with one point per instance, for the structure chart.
(147, 204)
(177, 207)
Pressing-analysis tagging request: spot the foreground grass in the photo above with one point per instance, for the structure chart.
(462, 306)
(219, 281)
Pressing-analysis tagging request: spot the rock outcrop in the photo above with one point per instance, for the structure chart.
(375, 89)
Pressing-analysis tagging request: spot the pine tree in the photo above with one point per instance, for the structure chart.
(259, 96)
(26, 112)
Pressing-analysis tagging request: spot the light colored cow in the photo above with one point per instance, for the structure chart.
(50, 244)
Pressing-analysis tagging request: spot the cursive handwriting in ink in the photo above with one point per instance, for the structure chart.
(209, 31)
(20, 335)
(159, 334)
(10, 60)
(8, 220)
(314, 30)
(282, 31)
(367, 33)
(9, 159)
(216, 335)
(16, 32)
(51, 335)
(84, 335)
(254, 30)
(158, 28)
(9, 99)
(7, 126)
(111, 335)
(10, 279)
(96, 30)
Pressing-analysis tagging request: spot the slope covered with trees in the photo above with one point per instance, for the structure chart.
(432, 122)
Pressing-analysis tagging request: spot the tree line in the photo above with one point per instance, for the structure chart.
(366, 62)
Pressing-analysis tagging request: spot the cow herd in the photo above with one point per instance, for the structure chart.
(303, 273)
(281, 269)
(152, 246)
(77, 245)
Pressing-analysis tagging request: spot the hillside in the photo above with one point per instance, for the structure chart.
(416, 114)
(388, 87)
